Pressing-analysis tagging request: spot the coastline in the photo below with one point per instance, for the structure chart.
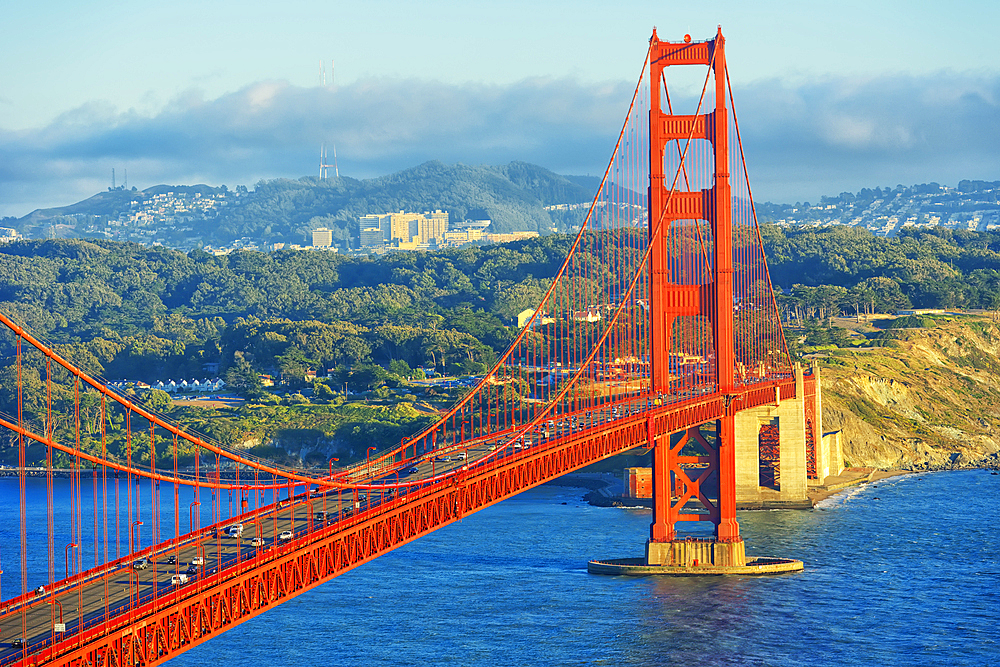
(605, 489)
(852, 477)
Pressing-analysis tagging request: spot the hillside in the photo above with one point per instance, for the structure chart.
(929, 398)
(513, 196)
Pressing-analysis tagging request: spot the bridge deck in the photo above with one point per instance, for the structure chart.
(118, 615)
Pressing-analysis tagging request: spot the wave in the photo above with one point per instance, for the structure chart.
(840, 498)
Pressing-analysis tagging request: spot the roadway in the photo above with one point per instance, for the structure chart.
(108, 593)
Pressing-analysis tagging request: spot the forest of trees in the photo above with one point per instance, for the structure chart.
(124, 311)
(127, 311)
(843, 269)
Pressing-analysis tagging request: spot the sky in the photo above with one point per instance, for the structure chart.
(831, 96)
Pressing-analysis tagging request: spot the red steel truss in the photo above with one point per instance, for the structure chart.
(659, 324)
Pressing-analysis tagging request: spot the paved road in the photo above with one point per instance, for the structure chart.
(109, 591)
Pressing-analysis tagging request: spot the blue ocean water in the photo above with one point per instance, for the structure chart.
(903, 571)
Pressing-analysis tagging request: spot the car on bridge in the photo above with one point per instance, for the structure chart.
(178, 579)
(413, 471)
(257, 542)
(235, 530)
(191, 571)
(285, 536)
(17, 642)
(171, 560)
(140, 564)
(443, 459)
(197, 560)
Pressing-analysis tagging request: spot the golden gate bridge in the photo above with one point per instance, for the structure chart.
(680, 333)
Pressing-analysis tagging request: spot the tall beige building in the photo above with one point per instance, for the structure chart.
(322, 237)
(404, 228)
(432, 226)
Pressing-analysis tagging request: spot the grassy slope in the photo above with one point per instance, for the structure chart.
(930, 398)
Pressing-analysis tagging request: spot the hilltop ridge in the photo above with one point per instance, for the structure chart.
(513, 196)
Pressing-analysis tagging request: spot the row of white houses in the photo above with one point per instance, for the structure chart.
(194, 385)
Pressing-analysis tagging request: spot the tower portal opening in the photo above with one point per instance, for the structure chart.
(769, 442)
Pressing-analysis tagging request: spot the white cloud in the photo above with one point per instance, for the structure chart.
(802, 140)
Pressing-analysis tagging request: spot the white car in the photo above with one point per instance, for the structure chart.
(197, 560)
(235, 530)
(178, 579)
(285, 535)
(257, 542)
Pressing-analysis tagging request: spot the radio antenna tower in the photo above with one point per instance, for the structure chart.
(323, 166)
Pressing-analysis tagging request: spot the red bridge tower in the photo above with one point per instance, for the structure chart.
(710, 296)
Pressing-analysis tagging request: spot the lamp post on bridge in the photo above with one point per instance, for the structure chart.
(191, 507)
(132, 572)
(133, 541)
(57, 602)
(368, 469)
(331, 479)
(68, 547)
(59, 627)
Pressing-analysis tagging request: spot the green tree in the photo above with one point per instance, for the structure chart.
(400, 368)
(159, 400)
(242, 378)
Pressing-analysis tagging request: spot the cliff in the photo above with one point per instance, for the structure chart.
(927, 398)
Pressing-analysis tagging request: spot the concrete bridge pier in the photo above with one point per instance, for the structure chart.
(696, 552)
(781, 449)
(760, 457)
